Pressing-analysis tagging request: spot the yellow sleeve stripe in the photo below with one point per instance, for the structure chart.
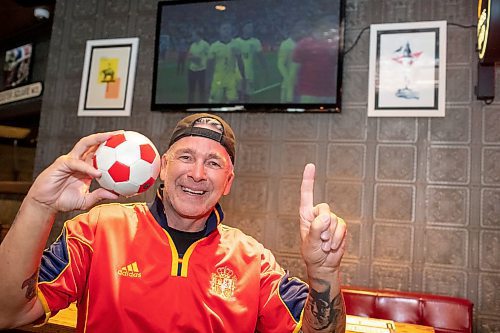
(298, 328)
(45, 307)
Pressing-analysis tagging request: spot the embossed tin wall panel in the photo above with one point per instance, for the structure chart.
(446, 205)
(490, 207)
(396, 163)
(394, 202)
(346, 161)
(446, 247)
(445, 282)
(491, 125)
(397, 129)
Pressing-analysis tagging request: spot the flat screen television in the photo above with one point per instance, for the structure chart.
(248, 55)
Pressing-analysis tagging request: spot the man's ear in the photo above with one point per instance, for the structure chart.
(229, 183)
(163, 167)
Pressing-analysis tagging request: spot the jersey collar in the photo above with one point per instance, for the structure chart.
(156, 208)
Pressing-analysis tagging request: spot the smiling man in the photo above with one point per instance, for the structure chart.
(168, 266)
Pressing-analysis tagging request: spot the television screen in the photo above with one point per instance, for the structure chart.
(241, 55)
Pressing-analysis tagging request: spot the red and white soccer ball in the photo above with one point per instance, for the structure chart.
(129, 163)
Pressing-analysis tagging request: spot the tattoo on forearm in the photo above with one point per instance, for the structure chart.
(325, 313)
(30, 283)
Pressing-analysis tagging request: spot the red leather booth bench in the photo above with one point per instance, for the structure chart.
(446, 314)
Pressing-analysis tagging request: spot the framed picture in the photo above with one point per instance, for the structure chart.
(17, 66)
(407, 73)
(108, 77)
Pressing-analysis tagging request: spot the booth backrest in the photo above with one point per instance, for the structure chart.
(446, 314)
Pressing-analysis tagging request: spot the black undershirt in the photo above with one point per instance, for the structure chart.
(184, 239)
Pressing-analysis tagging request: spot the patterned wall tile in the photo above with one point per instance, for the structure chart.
(349, 273)
(288, 240)
(68, 121)
(356, 54)
(85, 9)
(355, 86)
(447, 164)
(397, 129)
(114, 27)
(399, 11)
(486, 324)
(350, 125)
(396, 163)
(489, 293)
(146, 25)
(81, 32)
(295, 265)
(71, 88)
(147, 5)
(289, 196)
(490, 207)
(446, 246)
(392, 243)
(455, 127)
(358, 13)
(459, 46)
(353, 240)
(390, 277)
(145, 67)
(346, 161)
(294, 156)
(302, 128)
(115, 123)
(346, 199)
(73, 63)
(490, 174)
(489, 255)
(253, 158)
(459, 11)
(394, 203)
(53, 65)
(142, 94)
(251, 225)
(459, 93)
(445, 282)
(447, 205)
(255, 126)
(253, 194)
(116, 7)
(491, 124)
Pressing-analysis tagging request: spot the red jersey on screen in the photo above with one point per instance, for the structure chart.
(317, 72)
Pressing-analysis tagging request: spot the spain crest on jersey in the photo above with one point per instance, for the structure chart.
(223, 282)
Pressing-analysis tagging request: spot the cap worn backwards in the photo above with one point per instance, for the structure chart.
(214, 128)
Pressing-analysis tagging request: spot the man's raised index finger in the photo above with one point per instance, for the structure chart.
(307, 187)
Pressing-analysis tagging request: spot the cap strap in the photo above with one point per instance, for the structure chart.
(197, 131)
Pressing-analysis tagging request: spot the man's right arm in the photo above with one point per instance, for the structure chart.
(63, 186)
(20, 254)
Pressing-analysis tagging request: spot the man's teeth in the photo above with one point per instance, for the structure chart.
(188, 190)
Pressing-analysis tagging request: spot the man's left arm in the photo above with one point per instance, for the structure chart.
(323, 242)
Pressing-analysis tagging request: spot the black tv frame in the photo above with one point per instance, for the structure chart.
(278, 106)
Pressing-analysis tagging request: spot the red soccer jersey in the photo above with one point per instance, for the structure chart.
(124, 271)
(317, 74)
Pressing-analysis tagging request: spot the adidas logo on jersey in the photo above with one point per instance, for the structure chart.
(131, 270)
